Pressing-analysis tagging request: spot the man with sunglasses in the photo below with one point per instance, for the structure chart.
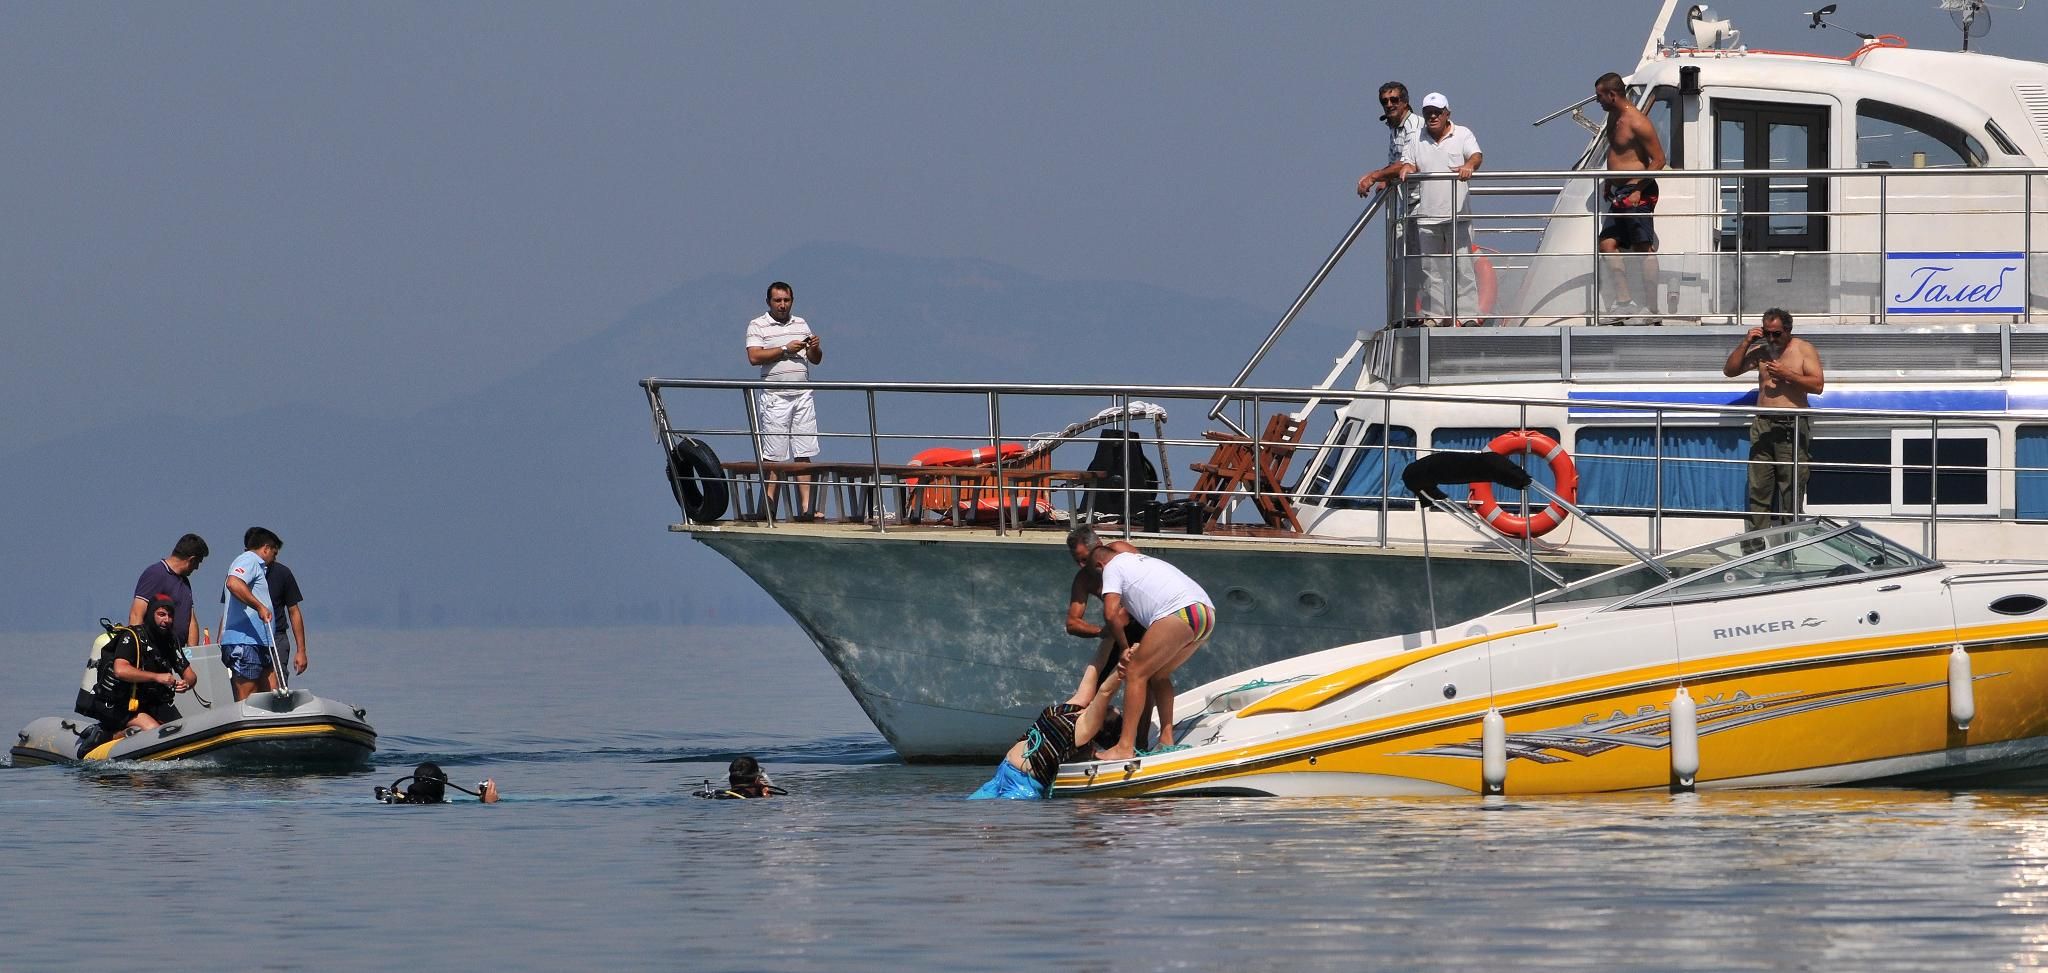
(1788, 371)
(172, 576)
(1404, 130)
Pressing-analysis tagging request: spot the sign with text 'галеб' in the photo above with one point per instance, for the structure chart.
(1937, 282)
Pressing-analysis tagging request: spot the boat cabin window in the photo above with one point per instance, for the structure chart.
(2030, 482)
(1890, 137)
(1362, 468)
(1761, 215)
(1705, 469)
(1874, 473)
(1663, 101)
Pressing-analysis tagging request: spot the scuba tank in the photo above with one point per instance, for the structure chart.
(100, 695)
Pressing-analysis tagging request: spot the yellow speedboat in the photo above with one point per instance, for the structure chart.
(1812, 653)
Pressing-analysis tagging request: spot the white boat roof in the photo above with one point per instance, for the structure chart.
(1963, 87)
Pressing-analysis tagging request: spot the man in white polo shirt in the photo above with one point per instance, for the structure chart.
(1178, 618)
(1441, 226)
(783, 345)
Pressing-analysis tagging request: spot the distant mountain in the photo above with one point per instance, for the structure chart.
(541, 500)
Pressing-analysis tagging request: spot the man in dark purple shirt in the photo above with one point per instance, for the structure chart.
(289, 625)
(172, 576)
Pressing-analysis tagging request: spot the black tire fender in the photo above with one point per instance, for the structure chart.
(698, 480)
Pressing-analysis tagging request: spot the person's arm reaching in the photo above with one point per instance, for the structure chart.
(240, 589)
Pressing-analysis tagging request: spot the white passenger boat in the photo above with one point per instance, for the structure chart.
(1891, 198)
(1809, 654)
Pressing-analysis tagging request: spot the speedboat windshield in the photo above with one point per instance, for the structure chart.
(1791, 555)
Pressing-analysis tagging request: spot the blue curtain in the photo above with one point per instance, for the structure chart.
(1608, 482)
(2030, 448)
(1470, 440)
(1361, 486)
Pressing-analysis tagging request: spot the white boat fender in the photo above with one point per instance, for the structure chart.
(1493, 752)
(1962, 694)
(1685, 740)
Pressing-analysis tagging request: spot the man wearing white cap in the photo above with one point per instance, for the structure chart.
(1440, 217)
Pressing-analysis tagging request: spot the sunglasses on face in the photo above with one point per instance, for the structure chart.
(1397, 99)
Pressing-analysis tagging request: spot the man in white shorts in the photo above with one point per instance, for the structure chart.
(783, 345)
(1178, 618)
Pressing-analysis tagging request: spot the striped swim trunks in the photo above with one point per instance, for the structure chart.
(1201, 620)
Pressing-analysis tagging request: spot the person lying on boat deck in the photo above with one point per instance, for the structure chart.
(785, 348)
(290, 625)
(172, 576)
(1631, 144)
(745, 780)
(429, 784)
(1088, 584)
(246, 629)
(1788, 371)
(1063, 732)
(1178, 617)
(140, 671)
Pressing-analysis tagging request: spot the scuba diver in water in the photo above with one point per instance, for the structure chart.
(138, 673)
(429, 783)
(745, 780)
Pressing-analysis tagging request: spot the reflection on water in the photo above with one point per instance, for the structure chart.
(598, 851)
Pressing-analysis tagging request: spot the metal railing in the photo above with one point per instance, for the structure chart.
(894, 420)
(1549, 272)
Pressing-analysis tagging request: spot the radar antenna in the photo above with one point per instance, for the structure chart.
(1974, 16)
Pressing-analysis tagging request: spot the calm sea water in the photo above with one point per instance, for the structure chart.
(599, 858)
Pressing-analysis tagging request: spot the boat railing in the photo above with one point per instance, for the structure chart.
(1880, 256)
(871, 432)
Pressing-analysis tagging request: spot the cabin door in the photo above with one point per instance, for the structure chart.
(1770, 226)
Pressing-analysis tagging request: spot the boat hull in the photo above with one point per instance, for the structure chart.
(1813, 716)
(952, 641)
(266, 731)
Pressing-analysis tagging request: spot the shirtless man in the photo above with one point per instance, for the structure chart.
(1788, 371)
(1631, 145)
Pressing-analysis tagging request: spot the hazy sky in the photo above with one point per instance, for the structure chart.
(375, 206)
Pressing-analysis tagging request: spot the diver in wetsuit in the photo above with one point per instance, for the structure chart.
(140, 672)
(745, 780)
(429, 786)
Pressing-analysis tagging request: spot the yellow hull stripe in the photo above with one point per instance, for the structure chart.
(1316, 692)
(237, 736)
(1454, 719)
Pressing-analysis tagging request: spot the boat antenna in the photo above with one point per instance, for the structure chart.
(1820, 20)
(1974, 16)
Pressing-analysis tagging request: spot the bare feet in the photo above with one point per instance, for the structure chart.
(1116, 753)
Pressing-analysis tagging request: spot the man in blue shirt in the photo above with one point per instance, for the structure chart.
(247, 622)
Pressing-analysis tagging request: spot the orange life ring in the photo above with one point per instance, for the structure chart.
(1561, 467)
(1485, 277)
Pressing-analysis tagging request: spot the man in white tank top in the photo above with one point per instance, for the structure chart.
(1178, 618)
